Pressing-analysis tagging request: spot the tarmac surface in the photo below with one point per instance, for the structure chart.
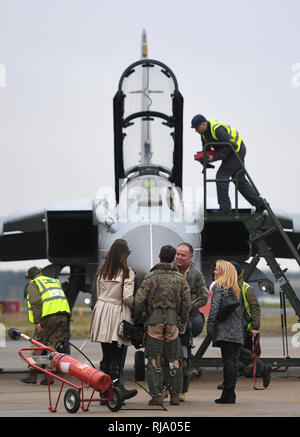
(280, 399)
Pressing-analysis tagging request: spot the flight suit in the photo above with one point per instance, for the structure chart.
(164, 299)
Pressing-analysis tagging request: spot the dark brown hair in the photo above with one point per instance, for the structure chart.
(115, 261)
(167, 253)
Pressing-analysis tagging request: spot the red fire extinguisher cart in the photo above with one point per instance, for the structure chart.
(63, 364)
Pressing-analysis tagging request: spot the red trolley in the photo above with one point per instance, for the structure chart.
(65, 365)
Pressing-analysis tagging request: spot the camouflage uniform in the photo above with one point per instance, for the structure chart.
(199, 297)
(53, 331)
(164, 300)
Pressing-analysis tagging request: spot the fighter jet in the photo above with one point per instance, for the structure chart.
(145, 206)
(148, 206)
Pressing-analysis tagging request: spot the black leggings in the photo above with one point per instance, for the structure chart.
(230, 355)
(111, 362)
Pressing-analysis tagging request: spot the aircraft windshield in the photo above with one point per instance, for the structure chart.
(149, 192)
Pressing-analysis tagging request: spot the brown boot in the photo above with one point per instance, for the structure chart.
(182, 397)
(44, 381)
(30, 378)
(165, 394)
(174, 399)
(156, 400)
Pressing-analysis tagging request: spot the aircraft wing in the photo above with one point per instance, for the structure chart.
(22, 235)
(63, 232)
(23, 221)
(229, 237)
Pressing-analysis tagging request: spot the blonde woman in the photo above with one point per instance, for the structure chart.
(228, 334)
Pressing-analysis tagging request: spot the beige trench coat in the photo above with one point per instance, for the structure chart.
(109, 311)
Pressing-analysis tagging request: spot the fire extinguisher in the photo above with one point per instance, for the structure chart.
(96, 379)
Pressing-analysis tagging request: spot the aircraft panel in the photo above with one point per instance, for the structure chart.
(145, 242)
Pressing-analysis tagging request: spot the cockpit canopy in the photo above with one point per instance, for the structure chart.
(148, 123)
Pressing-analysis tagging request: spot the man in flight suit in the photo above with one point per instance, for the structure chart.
(164, 296)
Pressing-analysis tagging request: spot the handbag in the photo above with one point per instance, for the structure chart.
(229, 303)
(126, 330)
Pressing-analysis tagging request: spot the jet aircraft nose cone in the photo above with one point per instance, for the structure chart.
(145, 242)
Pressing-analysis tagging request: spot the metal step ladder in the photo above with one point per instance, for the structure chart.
(257, 235)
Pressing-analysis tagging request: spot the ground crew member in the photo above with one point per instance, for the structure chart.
(199, 297)
(49, 310)
(251, 325)
(164, 297)
(219, 132)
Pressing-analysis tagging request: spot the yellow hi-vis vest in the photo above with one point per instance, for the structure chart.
(234, 137)
(246, 305)
(52, 296)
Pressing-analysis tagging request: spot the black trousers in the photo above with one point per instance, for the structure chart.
(112, 359)
(229, 168)
(230, 356)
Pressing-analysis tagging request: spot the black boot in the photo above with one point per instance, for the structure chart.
(267, 375)
(127, 394)
(115, 375)
(227, 397)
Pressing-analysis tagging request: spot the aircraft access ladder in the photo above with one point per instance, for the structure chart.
(256, 227)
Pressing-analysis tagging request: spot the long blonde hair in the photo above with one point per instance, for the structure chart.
(228, 276)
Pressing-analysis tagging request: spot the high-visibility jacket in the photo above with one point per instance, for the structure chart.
(234, 137)
(246, 304)
(52, 296)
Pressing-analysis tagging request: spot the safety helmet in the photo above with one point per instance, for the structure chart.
(197, 324)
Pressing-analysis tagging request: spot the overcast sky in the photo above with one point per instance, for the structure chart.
(60, 61)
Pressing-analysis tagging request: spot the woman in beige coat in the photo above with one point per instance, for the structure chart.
(115, 287)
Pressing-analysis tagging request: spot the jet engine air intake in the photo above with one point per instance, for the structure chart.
(231, 239)
(71, 235)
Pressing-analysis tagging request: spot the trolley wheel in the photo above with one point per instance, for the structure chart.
(139, 366)
(117, 400)
(72, 400)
